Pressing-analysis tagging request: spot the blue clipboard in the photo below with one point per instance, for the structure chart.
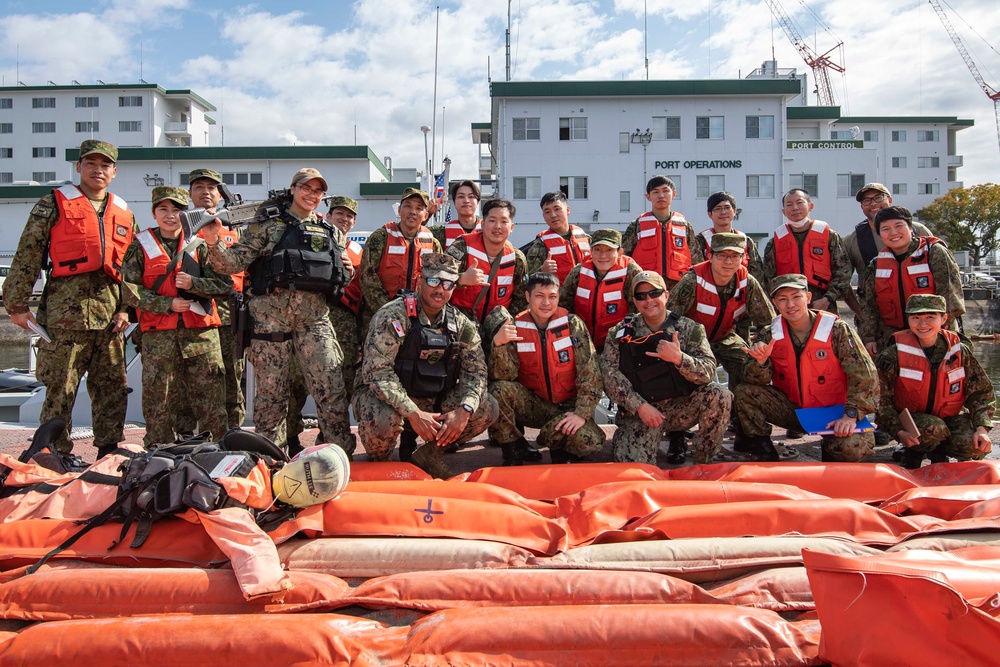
(814, 420)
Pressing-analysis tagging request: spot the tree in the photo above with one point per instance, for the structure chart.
(966, 219)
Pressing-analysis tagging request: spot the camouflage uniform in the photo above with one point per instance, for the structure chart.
(955, 433)
(708, 405)
(840, 267)
(520, 405)
(537, 252)
(755, 264)
(759, 404)
(460, 251)
(440, 235)
(77, 312)
(380, 401)
(947, 282)
(630, 239)
(304, 315)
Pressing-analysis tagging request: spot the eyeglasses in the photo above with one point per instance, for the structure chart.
(727, 257)
(312, 191)
(877, 199)
(725, 208)
(434, 282)
(650, 294)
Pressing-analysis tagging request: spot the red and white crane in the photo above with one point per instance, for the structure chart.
(821, 64)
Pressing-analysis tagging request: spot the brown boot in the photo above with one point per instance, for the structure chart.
(430, 458)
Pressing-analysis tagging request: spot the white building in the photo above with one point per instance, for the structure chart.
(600, 141)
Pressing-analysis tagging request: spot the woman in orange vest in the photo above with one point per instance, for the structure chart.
(178, 319)
(933, 374)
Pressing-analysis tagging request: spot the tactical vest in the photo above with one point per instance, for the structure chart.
(305, 258)
(401, 261)
(601, 304)
(81, 241)
(501, 290)
(811, 258)
(710, 232)
(896, 280)
(566, 254)
(708, 310)
(427, 362)
(454, 229)
(547, 358)
(920, 387)
(654, 379)
(663, 247)
(351, 298)
(814, 378)
(229, 238)
(155, 263)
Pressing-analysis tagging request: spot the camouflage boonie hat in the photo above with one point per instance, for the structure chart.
(440, 265)
(651, 277)
(926, 303)
(341, 201)
(210, 174)
(307, 174)
(177, 195)
(796, 280)
(728, 241)
(414, 192)
(91, 146)
(609, 237)
(877, 187)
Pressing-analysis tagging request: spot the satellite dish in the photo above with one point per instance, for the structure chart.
(855, 132)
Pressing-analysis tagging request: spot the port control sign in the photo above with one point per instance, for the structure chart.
(824, 145)
(698, 164)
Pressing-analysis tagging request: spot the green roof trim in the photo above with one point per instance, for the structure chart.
(644, 88)
(482, 126)
(210, 120)
(812, 113)
(948, 120)
(25, 191)
(113, 86)
(385, 189)
(190, 93)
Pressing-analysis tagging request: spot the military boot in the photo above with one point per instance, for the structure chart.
(912, 459)
(763, 449)
(939, 454)
(407, 443)
(513, 452)
(430, 458)
(677, 450)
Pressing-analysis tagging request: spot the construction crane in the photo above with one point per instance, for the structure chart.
(990, 91)
(820, 64)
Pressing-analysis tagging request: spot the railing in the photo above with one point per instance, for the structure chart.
(177, 126)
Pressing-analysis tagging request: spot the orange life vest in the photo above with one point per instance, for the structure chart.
(707, 309)
(156, 261)
(663, 247)
(401, 260)
(351, 298)
(454, 229)
(811, 259)
(601, 304)
(919, 388)
(814, 379)
(895, 281)
(548, 362)
(501, 290)
(566, 254)
(230, 238)
(710, 232)
(82, 241)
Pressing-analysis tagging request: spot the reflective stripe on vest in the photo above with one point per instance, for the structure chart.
(351, 298)
(400, 265)
(454, 229)
(919, 388)
(812, 258)
(501, 290)
(663, 247)
(81, 241)
(706, 307)
(155, 263)
(547, 360)
(814, 378)
(896, 281)
(601, 304)
(566, 254)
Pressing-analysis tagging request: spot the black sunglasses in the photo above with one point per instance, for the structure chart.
(651, 294)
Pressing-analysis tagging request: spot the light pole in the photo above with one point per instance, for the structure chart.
(427, 158)
(447, 203)
(643, 138)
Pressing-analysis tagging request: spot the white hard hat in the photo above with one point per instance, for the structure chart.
(317, 474)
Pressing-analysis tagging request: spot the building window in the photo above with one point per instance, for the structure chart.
(710, 127)
(527, 129)
(870, 135)
(840, 135)
(6, 152)
(88, 126)
(666, 127)
(624, 142)
(760, 186)
(43, 176)
(243, 178)
(43, 103)
(528, 187)
(43, 151)
(928, 162)
(624, 201)
(130, 126)
(899, 188)
(928, 188)
(927, 135)
(676, 178)
(130, 101)
(807, 182)
(573, 129)
(574, 187)
(899, 135)
(87, 102)
(43, 128)
(6, 102)
(706, 185)
(6, 128)
(849, 184)
(760, 127)
(899, 163)
(6, 177)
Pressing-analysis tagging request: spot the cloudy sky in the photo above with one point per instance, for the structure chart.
(327, 72)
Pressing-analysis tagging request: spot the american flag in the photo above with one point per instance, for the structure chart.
(439, 187)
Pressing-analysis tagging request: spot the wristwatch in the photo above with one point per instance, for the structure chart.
(852, 413)
(467, 408)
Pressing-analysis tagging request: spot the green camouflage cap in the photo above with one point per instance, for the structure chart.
(729, 241)
(91, 146)
(651, 277)
(414, 192)
(210, 174)
(307, 174)
(440, 265)
(926, 303)
(609, 237)
(341, 201)
(177, 195)
(877, 187)
(796, 280)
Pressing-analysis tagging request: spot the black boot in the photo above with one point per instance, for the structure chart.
(794, 433)
(763, 449)
(881, 438)
(912, 459)
(677, 450)
(562, 456)
(407, 443)
(939, 454)
(293, 446)
(513, 453)
(104, 450)
(530, 452)
(897, 454)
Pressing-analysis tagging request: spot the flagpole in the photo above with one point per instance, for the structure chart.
(437, 27)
